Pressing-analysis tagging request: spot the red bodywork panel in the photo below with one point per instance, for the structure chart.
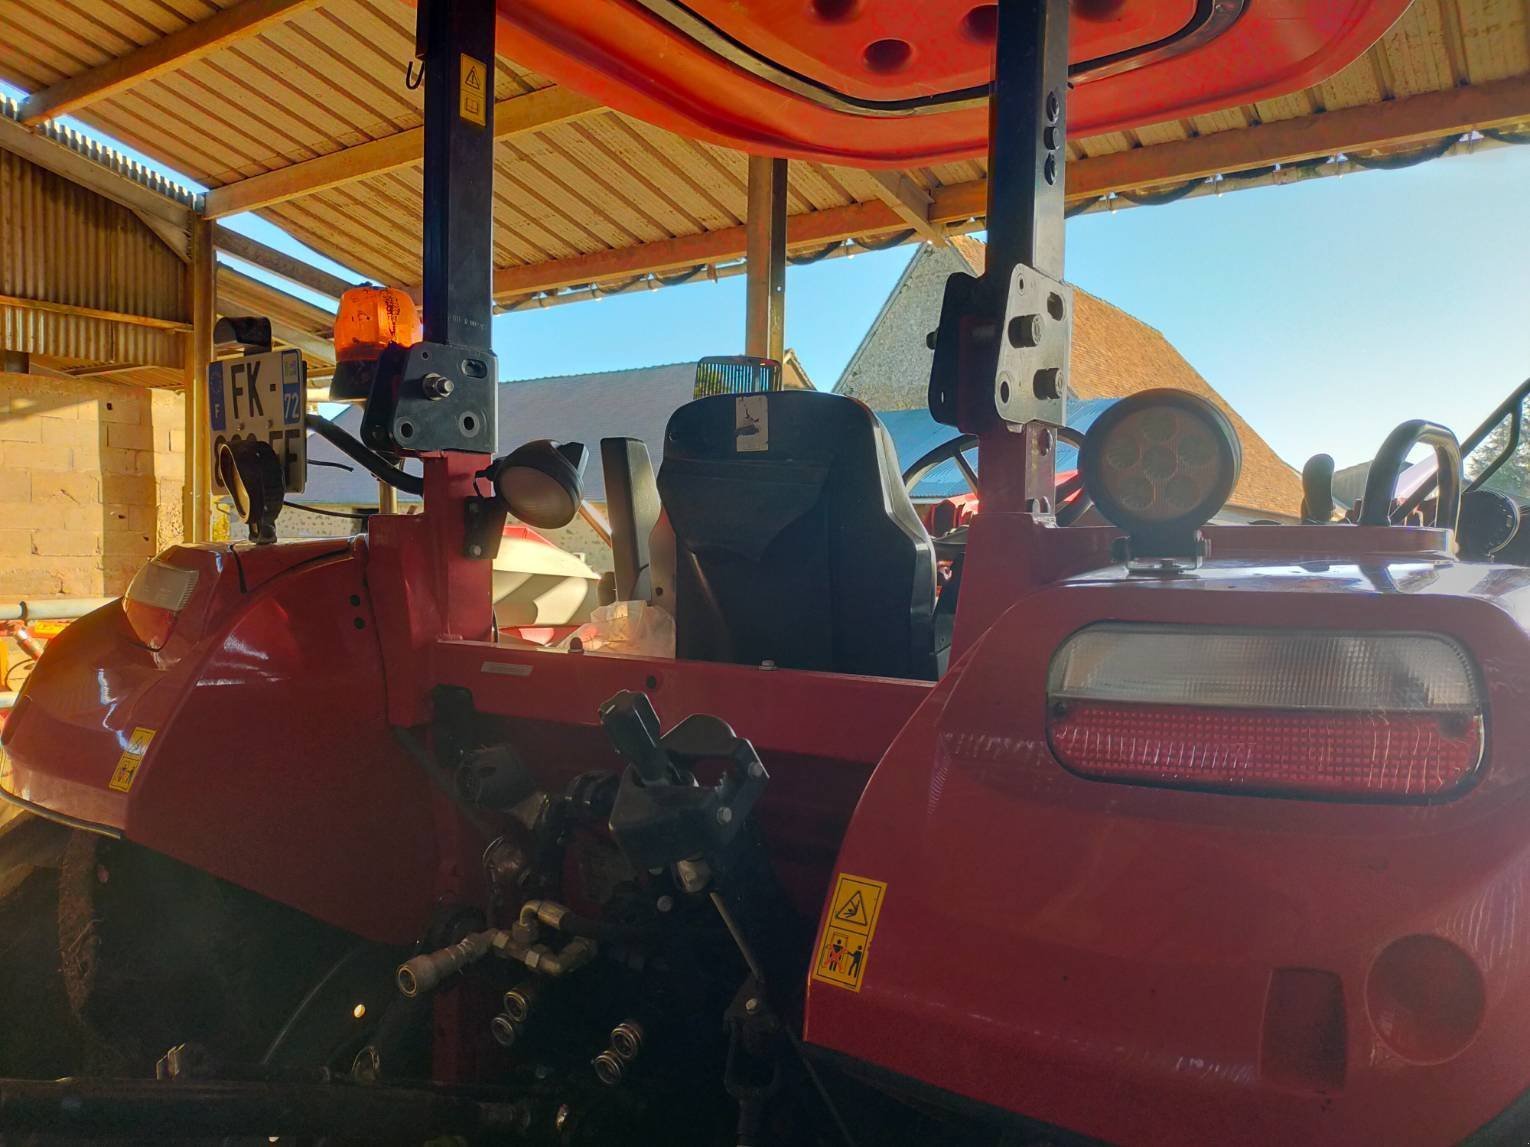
(1120, 960)
(271, 765)
(821, 79)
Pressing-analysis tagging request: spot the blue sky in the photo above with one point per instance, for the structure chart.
(1326, 312)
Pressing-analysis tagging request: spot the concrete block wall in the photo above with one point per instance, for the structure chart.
(91, 473)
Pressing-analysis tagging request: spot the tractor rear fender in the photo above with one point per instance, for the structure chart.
(253, 744)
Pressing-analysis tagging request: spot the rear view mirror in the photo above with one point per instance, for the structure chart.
(541, 483)
(736, 374)
(253, 474)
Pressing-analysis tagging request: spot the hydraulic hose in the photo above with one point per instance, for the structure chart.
(368, 459)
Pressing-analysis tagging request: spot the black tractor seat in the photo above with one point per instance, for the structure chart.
(795, 541)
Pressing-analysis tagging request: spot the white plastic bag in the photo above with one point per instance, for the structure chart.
(628, 627)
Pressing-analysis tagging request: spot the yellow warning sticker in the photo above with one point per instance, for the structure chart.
(473, 93)
(852, 922)
(132, 756)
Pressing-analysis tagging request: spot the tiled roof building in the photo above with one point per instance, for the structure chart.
(1114, 355)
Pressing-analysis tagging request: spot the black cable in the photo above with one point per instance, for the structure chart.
(1409, 159)
(886, 244)
(1498, 135)
(681, 278)
(1250, 173)
(374, 463)
(1080, 208)
(813, 256)
(334, 465)
(1161, 198)
(329, 513)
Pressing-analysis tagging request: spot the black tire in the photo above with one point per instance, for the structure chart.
(156, 953)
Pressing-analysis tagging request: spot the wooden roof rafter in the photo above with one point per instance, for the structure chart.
(196, 40)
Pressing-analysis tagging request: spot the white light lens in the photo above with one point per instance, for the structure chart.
(1365, 672)
(162, 585)
(155, 598)
(1345, 716)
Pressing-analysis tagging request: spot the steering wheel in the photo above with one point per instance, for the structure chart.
(1071, 496)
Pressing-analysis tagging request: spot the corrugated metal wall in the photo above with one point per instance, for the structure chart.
(63, 244)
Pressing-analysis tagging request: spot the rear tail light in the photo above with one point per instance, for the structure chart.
(1360, 715)
(155, 598)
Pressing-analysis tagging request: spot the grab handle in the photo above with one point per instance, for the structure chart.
(1381, 482)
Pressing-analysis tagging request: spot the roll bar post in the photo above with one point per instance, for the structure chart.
(1003, 344)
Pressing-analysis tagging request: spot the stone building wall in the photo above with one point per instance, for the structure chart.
(91, 474)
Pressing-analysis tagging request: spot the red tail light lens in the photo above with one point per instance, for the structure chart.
(1358, 715)
(155, 598)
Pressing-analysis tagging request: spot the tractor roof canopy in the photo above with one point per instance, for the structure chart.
(904, 83)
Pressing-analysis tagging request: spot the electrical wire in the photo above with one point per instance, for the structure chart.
(886, 244)
(374, 463)
(1409, 159)
(813, 256)
(329, 513)
(1161, 198)
(1499, 135)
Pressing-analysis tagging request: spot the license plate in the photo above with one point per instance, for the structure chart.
(262, 397)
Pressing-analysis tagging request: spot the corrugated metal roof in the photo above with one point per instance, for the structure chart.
(65, 245)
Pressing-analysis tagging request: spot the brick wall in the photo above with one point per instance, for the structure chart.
(90, 483)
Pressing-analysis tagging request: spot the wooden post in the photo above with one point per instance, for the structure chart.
(201, 271)
(765, 234)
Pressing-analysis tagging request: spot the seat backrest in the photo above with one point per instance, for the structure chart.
(795, 541)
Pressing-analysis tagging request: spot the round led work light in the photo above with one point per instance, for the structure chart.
(541, 482)
(1160, 464)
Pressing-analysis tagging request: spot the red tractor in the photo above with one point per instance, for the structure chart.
(1148, 832)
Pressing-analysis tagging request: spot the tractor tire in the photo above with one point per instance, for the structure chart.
(39, 1038)
(156, 953)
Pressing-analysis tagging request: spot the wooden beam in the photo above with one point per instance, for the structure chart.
(248, 18)
(279, 263)
(910, 201)
(1418, 119)
(515, 116)
(315, 348)
(813, 229)
(1393, 123)
(202, 291)
(51, 307)
(239, 293)
(71, 165)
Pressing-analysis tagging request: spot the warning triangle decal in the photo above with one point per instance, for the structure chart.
(854, 911)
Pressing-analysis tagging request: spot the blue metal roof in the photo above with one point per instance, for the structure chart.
(915, 433)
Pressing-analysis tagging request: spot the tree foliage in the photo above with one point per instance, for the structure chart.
(1513, 477)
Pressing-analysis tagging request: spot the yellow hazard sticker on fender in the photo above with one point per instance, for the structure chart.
(132, 756)
(846, 941)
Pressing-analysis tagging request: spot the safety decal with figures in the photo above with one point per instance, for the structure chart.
(847, 933)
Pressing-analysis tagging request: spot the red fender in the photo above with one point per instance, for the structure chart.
(269, 760)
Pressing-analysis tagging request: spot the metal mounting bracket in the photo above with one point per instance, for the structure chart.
(1035, 349)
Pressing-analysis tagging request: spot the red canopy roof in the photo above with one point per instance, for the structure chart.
(902, 82)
